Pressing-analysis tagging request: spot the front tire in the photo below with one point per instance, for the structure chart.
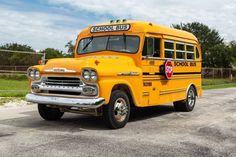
(49, 113)
(116, 113)
(188, 104)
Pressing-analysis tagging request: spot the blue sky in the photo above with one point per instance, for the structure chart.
(52, 23)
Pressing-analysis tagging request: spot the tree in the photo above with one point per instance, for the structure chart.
(52, 53)
(221, 56)
(70, 46)
(209, 40)
(11, 58)
(232, 46)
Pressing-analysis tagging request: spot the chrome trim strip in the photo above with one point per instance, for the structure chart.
(60, 88)
(131, 73)
(66, 95)
(69, 102)
(59, 70)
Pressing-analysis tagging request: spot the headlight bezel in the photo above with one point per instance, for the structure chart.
(33, 73)
(91, 75)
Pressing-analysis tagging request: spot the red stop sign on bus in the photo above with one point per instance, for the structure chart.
(168, 69)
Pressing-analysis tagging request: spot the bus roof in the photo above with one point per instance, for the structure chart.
(148, 27)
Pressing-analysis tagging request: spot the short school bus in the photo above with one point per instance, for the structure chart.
(116, 66)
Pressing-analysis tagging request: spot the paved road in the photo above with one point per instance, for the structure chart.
(210, 130)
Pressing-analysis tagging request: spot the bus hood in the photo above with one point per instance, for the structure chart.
(104, 65)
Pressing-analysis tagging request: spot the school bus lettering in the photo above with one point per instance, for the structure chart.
(110, 28)
(193, 64)
(181, 64)
(117, 66)
(185, 63)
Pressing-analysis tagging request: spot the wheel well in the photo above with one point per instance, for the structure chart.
(192, 85)
(126, 89)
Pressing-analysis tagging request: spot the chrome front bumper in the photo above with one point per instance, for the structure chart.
(68, 102)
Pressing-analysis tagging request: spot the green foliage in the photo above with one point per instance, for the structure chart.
(52, 53)
(220, 56)
(232, 46)
(70, 46)
(214, 52)
(18, 58)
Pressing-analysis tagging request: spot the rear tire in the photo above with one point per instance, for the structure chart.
(188, 104)
(116, 113)
(49, 113)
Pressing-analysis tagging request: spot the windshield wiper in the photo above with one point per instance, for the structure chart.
(91, 39)
(107, 42)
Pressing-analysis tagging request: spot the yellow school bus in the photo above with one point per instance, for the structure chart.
(116, 66)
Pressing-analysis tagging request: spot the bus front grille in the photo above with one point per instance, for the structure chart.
(63, 81)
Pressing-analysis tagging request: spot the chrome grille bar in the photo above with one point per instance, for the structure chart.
(63, 81)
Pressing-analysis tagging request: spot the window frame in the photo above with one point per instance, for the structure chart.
(166, 49)
(190, 52)
(160, 46)
(109, 50)
(182, 51)
(153, 45)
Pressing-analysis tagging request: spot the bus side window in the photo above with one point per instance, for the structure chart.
(148, 47)
(180, 52)
(169, 49)
(190, 52)
(157, 47)
(197, 53)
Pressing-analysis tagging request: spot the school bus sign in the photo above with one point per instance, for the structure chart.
(117, 66)
(110, 28)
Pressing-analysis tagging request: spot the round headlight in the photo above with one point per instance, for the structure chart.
(89, 75)
(86, 75)
(93, 76)
(37, 74)
(31, 73)
(34, 74)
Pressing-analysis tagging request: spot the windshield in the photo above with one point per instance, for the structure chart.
(119, 43)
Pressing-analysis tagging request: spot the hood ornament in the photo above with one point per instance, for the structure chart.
(60, 70)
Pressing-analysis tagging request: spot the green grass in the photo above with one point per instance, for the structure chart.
(219, 86)
(218, 83)
(206, 82)
(13, 88)
(13, 76)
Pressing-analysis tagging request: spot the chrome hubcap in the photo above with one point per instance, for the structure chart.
(191, 98)
(120, 110)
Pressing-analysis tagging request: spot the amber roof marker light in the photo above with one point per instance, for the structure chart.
(111, 21)
(118, 21)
